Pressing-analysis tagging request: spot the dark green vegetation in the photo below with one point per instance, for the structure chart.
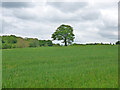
(118, 42)
(19, 42)
(13, 41)
(91, 66)
(65, 33)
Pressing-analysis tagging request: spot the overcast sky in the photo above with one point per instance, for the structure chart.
(91, 21)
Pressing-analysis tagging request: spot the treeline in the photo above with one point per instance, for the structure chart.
(18, 42)
(117, 43)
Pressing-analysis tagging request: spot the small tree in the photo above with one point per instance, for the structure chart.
(65, 33)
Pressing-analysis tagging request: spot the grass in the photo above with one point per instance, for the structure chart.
(61, 67)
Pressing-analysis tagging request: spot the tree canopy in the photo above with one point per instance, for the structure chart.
(118, 42)
(19, 42)
(65, 33)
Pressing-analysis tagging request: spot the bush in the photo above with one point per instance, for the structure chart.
(6, 46)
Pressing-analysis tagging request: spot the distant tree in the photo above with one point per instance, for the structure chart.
(65, 33)
(101, 43)
(118, 43)
(49, 43)
(9, 39)
(5, 46)
(34, 43)
(42, 42)
(22, 43)
(45, 43)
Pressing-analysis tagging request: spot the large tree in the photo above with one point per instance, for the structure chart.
(65, 33)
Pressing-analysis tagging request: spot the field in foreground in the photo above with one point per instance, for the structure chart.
(61, 67)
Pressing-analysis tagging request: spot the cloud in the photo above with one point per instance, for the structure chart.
(16, 4)
(50, 14)
(92, 22)
(69, 7)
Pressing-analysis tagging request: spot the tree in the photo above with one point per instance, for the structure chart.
(21, 43)
(65, 33)
(49, 43)
(118, 43)
(34, 43)
(9, 39)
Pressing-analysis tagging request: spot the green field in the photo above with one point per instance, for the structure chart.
(94, 66)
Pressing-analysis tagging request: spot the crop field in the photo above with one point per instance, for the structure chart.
(91, 66)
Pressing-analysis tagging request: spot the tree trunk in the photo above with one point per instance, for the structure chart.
(65, 42)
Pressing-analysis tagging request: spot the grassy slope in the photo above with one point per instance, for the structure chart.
(72, 67)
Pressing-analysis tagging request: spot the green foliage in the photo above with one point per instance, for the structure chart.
(61, 67)
(9, 39)
(75, 44)
(14, 46)
(19, 42)
(6, 46)
(34, 43)
(22, 43)
(7, 42)
(0, 42)
(118, 43)
(65, 33)
(49, 43)
(42, 42)
(45, 43)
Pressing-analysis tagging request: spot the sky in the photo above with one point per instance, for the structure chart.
(92, 21)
